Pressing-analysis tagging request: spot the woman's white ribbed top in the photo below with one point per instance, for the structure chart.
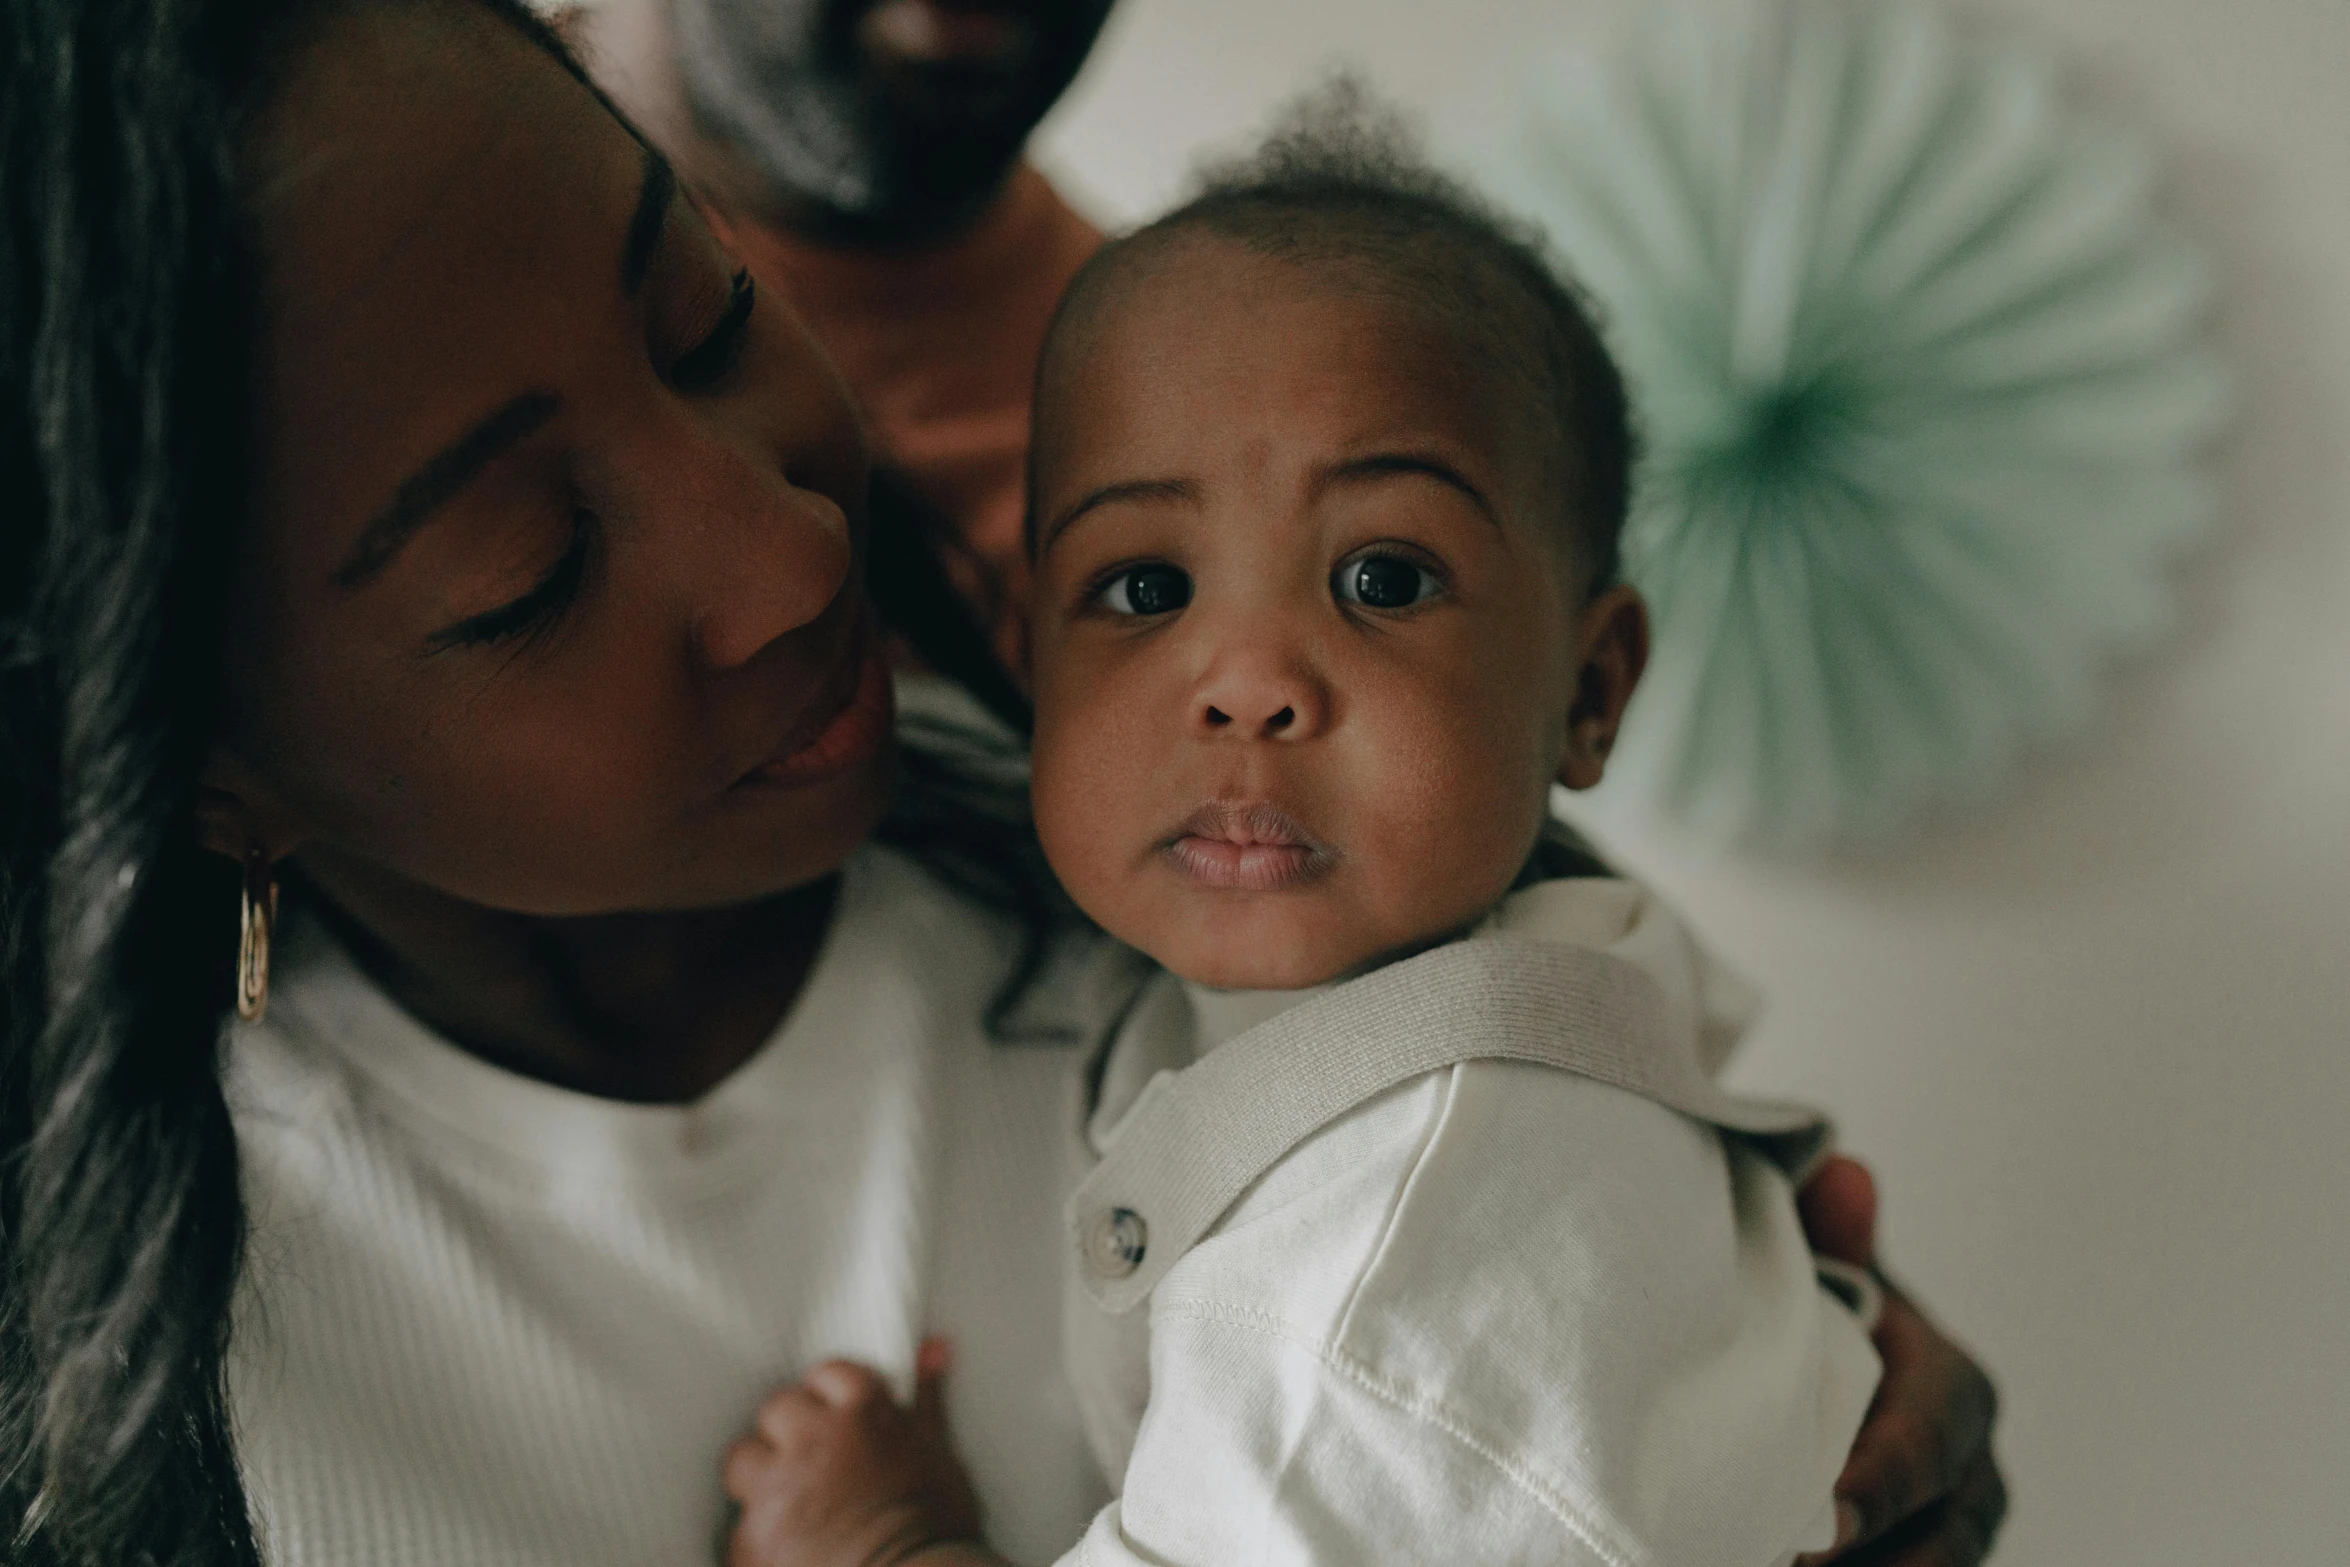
(486, 1322)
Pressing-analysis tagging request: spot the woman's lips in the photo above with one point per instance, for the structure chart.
(852, 736)
(1246, 847)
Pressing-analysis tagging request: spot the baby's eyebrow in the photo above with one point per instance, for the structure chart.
(1108, 494)
(1384, 465)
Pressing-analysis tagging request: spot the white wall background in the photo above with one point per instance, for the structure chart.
(2097, 1042)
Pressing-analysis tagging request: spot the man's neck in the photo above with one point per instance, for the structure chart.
(934, 227)
(652, 1008)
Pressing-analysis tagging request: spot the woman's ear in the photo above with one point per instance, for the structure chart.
(236, 817)
(1613, 650)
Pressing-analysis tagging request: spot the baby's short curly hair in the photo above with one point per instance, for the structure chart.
(1342, 181)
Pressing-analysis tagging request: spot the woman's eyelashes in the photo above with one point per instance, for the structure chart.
(701, 368)
(707, 364)
(534, 612)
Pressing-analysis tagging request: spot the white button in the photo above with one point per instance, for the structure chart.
(1115, 1243)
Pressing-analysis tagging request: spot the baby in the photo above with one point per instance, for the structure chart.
(1416, 1229)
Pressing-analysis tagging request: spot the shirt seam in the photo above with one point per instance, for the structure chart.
(1579, 1518)
(1430, 1131)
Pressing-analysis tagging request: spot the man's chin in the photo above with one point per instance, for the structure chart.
(934, 189)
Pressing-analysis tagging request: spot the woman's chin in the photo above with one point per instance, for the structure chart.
(786, 837)
(751, 848)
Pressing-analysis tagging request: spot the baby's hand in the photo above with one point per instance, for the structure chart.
(839, 1474)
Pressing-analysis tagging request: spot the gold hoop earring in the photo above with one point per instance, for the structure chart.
(256, 918)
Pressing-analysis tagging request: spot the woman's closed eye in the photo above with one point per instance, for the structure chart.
(1385, 578)
(706, 365)
(1150, 588)
(535, 611)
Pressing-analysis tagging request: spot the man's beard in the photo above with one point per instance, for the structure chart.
(785, 83)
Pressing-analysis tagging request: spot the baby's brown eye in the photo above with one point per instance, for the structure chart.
(1153, 589)
(1382, 582)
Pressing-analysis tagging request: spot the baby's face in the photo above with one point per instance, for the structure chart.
(1306, 641)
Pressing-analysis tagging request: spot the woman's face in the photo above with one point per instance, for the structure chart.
(551, 597)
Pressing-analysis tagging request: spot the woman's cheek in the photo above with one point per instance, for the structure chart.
(514, 806)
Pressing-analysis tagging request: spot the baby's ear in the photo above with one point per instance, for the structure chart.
(1612, 650)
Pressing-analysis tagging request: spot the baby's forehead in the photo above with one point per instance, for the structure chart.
(1414, 293)
(1423, 333)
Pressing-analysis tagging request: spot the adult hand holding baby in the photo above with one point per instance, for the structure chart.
(1922, 1488)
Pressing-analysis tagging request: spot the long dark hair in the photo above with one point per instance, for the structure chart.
(119, 316)
(122, 325)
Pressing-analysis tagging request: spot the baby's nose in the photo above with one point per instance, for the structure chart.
(1253, 696)
(1215, 717)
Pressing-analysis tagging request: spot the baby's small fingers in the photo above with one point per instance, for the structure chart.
(932, 1361)
(1839, 1209)
(788, 1411)
(844, 1384)
(748, 1463)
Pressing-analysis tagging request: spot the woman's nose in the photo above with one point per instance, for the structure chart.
(785, 455)
(1260, 693)
(784, 560)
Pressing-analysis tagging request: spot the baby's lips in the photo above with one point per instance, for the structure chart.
(1247, 824)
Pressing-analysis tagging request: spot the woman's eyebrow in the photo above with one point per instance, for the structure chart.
(423, 491)
(644, 227)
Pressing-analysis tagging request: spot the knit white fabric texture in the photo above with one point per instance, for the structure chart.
(489, 1323)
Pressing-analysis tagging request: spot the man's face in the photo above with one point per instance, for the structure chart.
(881, 117)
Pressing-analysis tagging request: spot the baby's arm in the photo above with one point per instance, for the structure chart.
(837, 1473)
(1504, 1314)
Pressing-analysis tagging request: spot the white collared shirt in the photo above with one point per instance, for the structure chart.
(1498, 1312)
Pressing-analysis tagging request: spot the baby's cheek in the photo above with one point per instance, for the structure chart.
(1088, 785)
(1456, 810)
